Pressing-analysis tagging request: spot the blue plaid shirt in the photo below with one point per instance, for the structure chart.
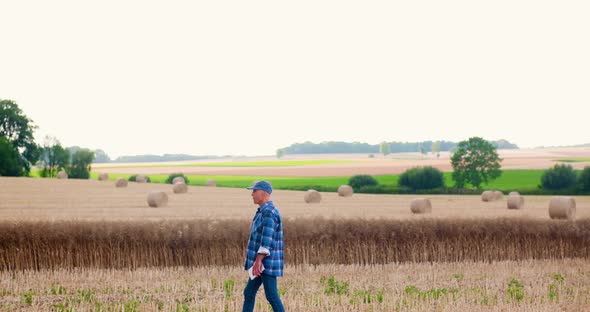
(266, 236)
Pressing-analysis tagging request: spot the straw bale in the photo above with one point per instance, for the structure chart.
(120, 182)
(179, 187)
(140, 178)
(210, 183)
(103, 177)
(62, 175)
(178, 179)
(157, 199)
(514, 193)
(487, 196)
(421, 205)
(312, 196)
(562, 207)
(345, 190)
(498, 195)
(515, 201)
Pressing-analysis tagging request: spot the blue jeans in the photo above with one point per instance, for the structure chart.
(270, 290)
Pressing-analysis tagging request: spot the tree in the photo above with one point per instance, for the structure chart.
(54, 157)
(422, 150)
(9, 159)
(584, 179)
(385, 148)
(435, 148)
(559, 177)
(18, 129)
(280, 153)
(475, 162)
(101, 157)
(80, 167)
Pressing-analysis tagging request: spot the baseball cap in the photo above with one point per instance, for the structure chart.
(262, 185)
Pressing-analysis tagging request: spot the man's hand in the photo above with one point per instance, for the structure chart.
(257, 267)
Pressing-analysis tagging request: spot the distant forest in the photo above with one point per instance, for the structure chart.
(299, 148)
(357, 147)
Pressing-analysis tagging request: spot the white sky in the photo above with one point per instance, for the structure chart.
(248, 77)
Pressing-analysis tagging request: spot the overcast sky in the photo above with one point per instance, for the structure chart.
(248, 77)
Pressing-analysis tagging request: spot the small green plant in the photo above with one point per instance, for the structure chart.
(182, 307)
(27, 296)
(60, 307)
(553, 288)
(379, 295)
(361, 295)
(515, 290)
(131, 306)
(458, 277)
(558, 278)
(85, 295)
(332, 286)
(57, 289)
(228, 287)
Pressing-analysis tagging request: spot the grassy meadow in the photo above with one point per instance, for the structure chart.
(510, 180)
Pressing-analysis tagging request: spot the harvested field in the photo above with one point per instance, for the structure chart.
(534, 285)
(51, 199)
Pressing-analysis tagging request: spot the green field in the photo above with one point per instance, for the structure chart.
(275, 163)
(510, 180)
(575, 160)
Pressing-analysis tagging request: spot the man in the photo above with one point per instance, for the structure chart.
(265, 249)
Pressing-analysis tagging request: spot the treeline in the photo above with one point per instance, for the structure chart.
(332, 147)
(80, 244)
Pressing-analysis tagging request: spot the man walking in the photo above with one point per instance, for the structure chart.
(265, 250)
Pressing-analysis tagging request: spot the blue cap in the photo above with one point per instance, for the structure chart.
(262, 185)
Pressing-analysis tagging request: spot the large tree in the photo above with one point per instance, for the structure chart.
(475, 162)
(54, 157)
(18, 129)
(81, 161)
(9, 159)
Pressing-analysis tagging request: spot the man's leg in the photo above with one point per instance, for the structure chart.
(272, 293)
(250, 294)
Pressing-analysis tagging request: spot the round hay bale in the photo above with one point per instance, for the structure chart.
(514, 193)
(562, 207)
(179, 187)
(498, 195)
(515, 201)
(345, 190)
(420, 205)
(103, 177)
(178, 179)
(312, 196)
(487, 196)
(62, 175)
(120, 182)
(210, 183)
(157, 199)
(140, 178)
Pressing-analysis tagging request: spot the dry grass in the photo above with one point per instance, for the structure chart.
(50, 199)
(72, 244)
(547, 285)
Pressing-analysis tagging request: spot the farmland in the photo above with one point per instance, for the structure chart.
(87, 245)
(79, 239)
